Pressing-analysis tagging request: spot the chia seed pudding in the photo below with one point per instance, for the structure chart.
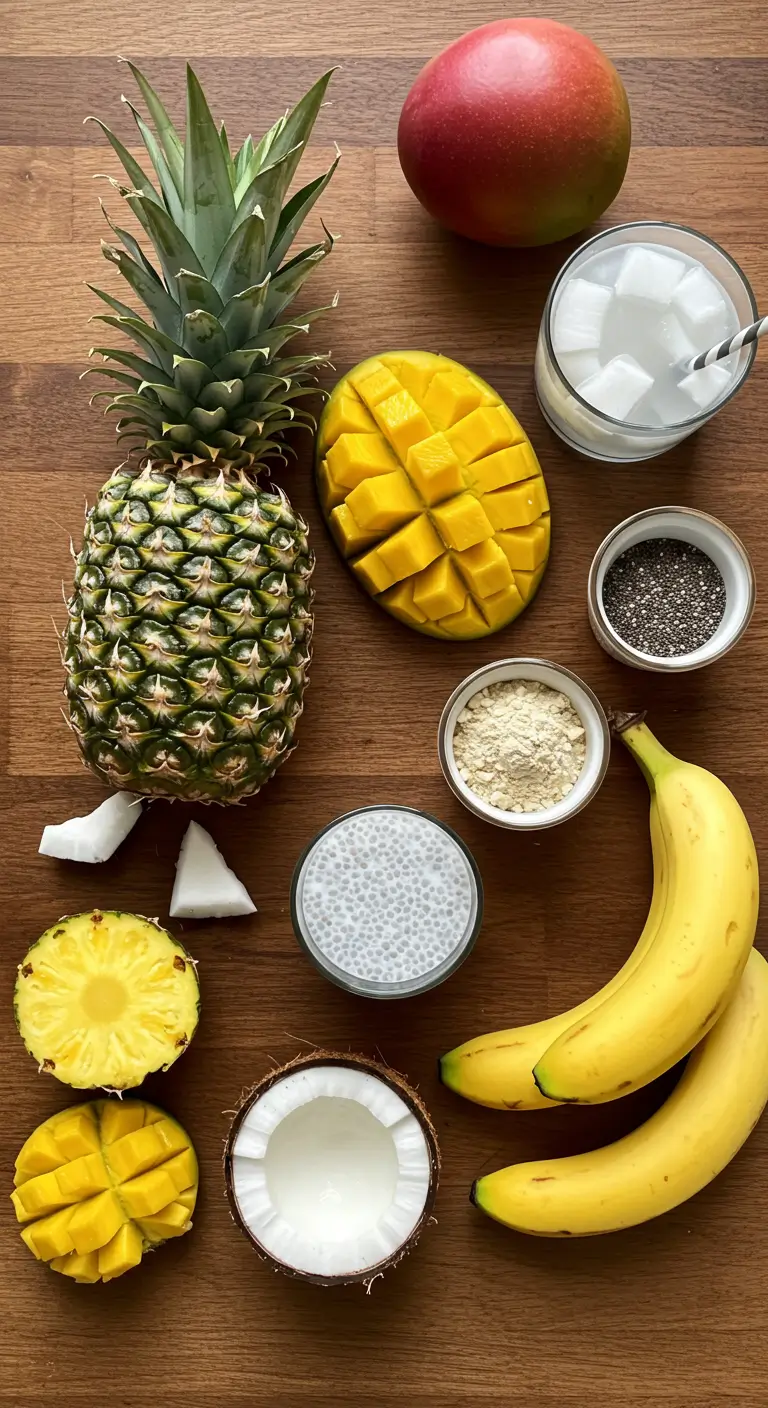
(664, 597)
(387, 901)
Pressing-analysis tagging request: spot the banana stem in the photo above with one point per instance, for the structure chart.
(651, 756)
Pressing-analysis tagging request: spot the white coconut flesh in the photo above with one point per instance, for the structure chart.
(95, 837)
(331, 1171)
(205, 887)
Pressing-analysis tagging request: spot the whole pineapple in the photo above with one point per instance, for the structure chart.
(189, 631)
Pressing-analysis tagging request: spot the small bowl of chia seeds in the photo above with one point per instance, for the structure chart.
(670, 589)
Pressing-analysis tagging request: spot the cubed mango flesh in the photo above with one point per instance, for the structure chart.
(82, 1218)
(122, 1253)
(527, 582)
(77, 1137)
(168, 1222)
(400, 603)
(331, 493)
(402, 421)
(373, 382)
(484, 568)
(351, 538)
(466, 624)
(480, 433)
(507, 466)
(347, 415)
(40, 1154)
(95, 1222)
(525, 548)
(462, 522)
(502, 606)
(82, 1177)
(434, 469)
(120, 1117)
(356, 457)
(49, 1236)
(438, 590)
(412, 431)
(43, 1194)
(410, 549)
(373, 573)
(383, 503)
(449, 398)
(517, 506)
(147, 1194)
(135, 1153)
(80, 1268)
(182, 1168)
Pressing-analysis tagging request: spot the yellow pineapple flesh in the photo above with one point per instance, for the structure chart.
(99, 1185)
(433, 494)
(104, 998)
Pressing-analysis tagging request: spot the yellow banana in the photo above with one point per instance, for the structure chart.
(497, 1070)
(688, 974)
(680, 1149)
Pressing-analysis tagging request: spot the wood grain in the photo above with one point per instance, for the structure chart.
(671, 1315)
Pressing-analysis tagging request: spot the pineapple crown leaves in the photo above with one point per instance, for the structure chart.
(207, 383)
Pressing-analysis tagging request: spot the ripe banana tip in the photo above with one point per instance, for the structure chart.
(473, 1194)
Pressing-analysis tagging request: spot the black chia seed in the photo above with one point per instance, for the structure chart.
(664, 597)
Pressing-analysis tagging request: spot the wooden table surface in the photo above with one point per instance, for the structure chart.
(669, 1315)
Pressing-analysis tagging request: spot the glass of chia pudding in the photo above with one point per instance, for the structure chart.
(670, 589)
(387, 901)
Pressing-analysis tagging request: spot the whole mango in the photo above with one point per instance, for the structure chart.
(517, 134)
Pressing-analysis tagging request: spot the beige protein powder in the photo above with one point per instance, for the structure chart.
(519, 745)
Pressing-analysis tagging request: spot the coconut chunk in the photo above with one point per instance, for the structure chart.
(205, 887)
(95, 837)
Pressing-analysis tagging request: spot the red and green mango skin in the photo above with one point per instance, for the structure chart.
(516, 134)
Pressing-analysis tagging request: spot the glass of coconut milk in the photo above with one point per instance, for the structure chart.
(387, 901)
(625, 315)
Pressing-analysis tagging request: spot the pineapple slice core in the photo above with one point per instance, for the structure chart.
(433, 494)
(140, 1164)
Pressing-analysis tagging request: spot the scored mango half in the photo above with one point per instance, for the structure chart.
(98, 1185)
(433, 494)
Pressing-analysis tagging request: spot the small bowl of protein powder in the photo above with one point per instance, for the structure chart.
(387, 901)
(524, 743)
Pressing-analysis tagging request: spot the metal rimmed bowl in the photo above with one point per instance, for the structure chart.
(688, 525)
(587, 706)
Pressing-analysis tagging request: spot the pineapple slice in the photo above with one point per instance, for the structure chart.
(102, 999)
(135, 1189)
(433, 493)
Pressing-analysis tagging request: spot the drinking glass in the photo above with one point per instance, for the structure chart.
(593, 433)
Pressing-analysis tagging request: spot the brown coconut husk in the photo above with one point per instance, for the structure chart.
(415, 1104)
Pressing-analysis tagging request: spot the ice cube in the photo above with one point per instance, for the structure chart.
(675, 340)
(577, 366)
(705, 385)
(647, 274)
(699, 298)
(617, 387)
(579, 315)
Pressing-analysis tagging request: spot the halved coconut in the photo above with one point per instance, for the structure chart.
(332, 1167)
(95, 837)
(205, 887)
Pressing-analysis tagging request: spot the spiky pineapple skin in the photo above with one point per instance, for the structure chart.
(189, 635)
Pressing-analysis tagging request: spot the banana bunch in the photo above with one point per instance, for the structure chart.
(686, 971)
